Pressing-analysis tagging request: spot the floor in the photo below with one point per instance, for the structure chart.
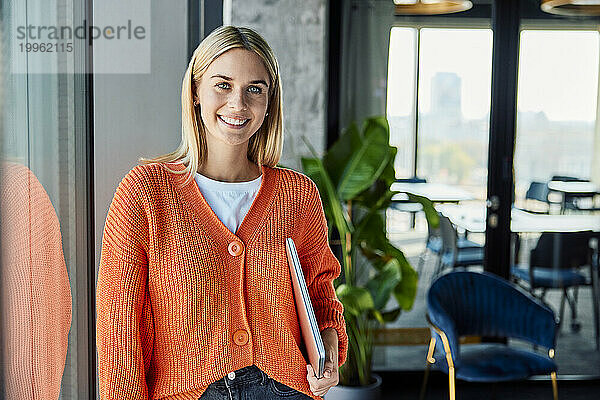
(407, 386)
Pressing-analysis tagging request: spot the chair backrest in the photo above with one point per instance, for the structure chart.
(538, 191)
(562, 250)
(474, 303)
(448, 234)
(595, 252)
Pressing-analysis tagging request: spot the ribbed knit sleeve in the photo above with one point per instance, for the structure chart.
(35, 295)
(125, 326)
(321, 268)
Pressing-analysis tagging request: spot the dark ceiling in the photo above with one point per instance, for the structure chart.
(530, 10)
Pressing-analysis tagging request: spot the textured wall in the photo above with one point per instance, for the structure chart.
(297, 33)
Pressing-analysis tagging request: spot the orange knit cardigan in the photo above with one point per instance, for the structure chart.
(182, 301)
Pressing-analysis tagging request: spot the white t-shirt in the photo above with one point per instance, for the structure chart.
(230, 201)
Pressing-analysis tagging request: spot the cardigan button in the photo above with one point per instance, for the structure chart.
(240, 337)
(234, 248)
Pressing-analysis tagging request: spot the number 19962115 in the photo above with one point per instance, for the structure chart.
(46, 47)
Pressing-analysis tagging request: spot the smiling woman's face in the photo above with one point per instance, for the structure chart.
(233, 94)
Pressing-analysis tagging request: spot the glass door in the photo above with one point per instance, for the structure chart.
(555, 163)
(438, 104)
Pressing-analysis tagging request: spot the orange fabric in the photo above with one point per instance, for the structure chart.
(34, 289)
(182, 301)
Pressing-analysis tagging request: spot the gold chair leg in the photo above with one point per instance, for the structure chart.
(554, 385)
(452, 383)
(451, 372)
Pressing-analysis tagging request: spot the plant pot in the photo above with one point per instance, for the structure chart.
(369, 392)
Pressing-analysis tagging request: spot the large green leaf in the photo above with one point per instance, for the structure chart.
(313, 167)
(377, 258)
(356, 300)
(381, 187)
(340, 153)
(394, 252)
(389, 173)
(392, 315)
(378, 316)
(376, 200)
(366, 164)
(383, 283)
(378, 196)
(433, 219)
(371, 230)
(406, 290)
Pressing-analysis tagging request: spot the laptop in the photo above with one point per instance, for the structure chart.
(306, 315)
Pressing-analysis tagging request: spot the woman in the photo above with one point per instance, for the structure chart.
(194, 296)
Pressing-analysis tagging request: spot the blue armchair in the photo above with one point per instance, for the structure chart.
(466, 303)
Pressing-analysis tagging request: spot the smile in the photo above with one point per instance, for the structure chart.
(233, 122)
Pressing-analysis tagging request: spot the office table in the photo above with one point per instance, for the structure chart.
(576, 188)
(570, 190)
(436, 192)
(472, 218)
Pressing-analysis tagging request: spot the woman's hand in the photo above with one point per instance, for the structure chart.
(330, 373)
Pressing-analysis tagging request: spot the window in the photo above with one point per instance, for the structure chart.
(556, 124)
(454, 84)
(556, 102)
(401, 97)
(446, 142)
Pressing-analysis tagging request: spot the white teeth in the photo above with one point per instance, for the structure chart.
(233, 121)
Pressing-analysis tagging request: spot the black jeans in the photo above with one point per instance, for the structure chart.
(250, 383)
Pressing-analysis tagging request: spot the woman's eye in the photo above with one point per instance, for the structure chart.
(223, 85)
(255, 90)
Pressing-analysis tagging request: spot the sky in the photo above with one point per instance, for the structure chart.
(558, 70)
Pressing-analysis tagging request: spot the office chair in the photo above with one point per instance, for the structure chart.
(538, 192)
(466, 303)
(556, 263)
(456, 252)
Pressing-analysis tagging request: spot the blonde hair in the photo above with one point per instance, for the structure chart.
(265, 146)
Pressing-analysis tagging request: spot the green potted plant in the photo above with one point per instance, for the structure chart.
(354, 178)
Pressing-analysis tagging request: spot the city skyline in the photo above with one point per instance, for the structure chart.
(572, 94)
(454, 150)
